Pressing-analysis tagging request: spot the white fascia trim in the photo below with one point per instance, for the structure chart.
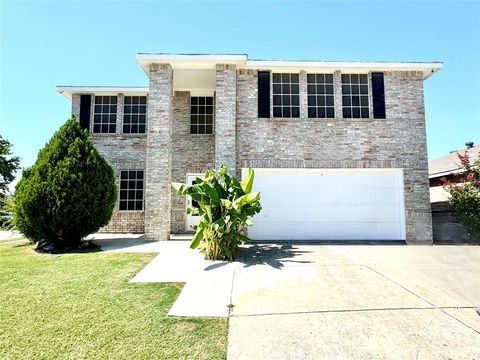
(426, 67)
(159, 57)
(345, 64)
(68, 91)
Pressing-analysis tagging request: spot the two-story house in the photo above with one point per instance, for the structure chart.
(338, 148)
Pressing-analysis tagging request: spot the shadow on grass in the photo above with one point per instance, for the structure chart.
(85, 248)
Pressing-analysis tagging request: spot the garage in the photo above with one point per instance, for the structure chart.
(329, 204)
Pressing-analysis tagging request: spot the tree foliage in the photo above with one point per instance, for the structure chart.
(465, 193)
(224, 208)
(68, 193)
(8, 166)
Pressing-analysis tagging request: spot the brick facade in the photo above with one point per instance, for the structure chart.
(168, 152)
(159, 153)
(123, 152)
(399, 141)
(192, 154)
(225, 116)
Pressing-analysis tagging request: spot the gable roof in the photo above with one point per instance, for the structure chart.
(450, 164)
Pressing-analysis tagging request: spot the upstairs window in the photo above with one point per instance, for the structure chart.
(286, 95)
(134, 114)
(131, 190)
(355, 96)
(201, 114)
(105, 115)
(321, 103)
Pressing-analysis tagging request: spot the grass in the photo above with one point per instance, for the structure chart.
(81, 306)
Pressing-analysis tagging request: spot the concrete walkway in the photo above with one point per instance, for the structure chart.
(332, 302)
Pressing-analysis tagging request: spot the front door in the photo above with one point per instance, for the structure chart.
(191, 220)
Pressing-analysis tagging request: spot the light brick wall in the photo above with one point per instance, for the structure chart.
(159, 153)
(76, 106)
(123, 152)
(169, 153)
(396, 142)
(225, 116)
(192, 153)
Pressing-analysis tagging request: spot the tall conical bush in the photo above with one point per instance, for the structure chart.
(68, 193)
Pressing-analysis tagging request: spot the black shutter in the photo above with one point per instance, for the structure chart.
(85, 103)
(378, 94)
(264, 94)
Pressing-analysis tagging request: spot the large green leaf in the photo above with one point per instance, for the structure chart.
(218, 224)
(211, 192)
(227, 203)
(246, 199)
(196, 238)
(242, 238)
(180, 188)
(191, 210)
(208, 210)
(247, 183)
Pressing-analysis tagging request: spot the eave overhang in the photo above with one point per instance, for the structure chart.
(68, 90)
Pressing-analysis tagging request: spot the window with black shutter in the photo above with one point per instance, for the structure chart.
(264, 94)
(85, 104)
(378, 96)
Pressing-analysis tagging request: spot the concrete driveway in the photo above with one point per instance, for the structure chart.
(355, 302)
(329, 302)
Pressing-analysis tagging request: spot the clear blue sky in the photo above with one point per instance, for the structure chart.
(44, 44)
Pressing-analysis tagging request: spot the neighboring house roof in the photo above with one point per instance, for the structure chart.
(208, 61)
(450, 164)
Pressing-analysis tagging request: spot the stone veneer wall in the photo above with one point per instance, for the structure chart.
(192, 153)
(225, 116)
(399, 141)
(159, 153)
(123, 152)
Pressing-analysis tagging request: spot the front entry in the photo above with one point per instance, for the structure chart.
(190, 219)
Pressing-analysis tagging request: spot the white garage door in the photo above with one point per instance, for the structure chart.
(329, 204)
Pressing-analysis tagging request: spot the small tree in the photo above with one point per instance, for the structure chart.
(68, 193)
(224, 206)
(465, 194)
(6, 211)
(8, 167)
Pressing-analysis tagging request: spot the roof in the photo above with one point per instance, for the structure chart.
(450, 164)
(182, 63)
(208, 61)
(69, 90)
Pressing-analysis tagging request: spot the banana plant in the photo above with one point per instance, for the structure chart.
(225, 206)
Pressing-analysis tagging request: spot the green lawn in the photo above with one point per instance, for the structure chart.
(81, 306)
